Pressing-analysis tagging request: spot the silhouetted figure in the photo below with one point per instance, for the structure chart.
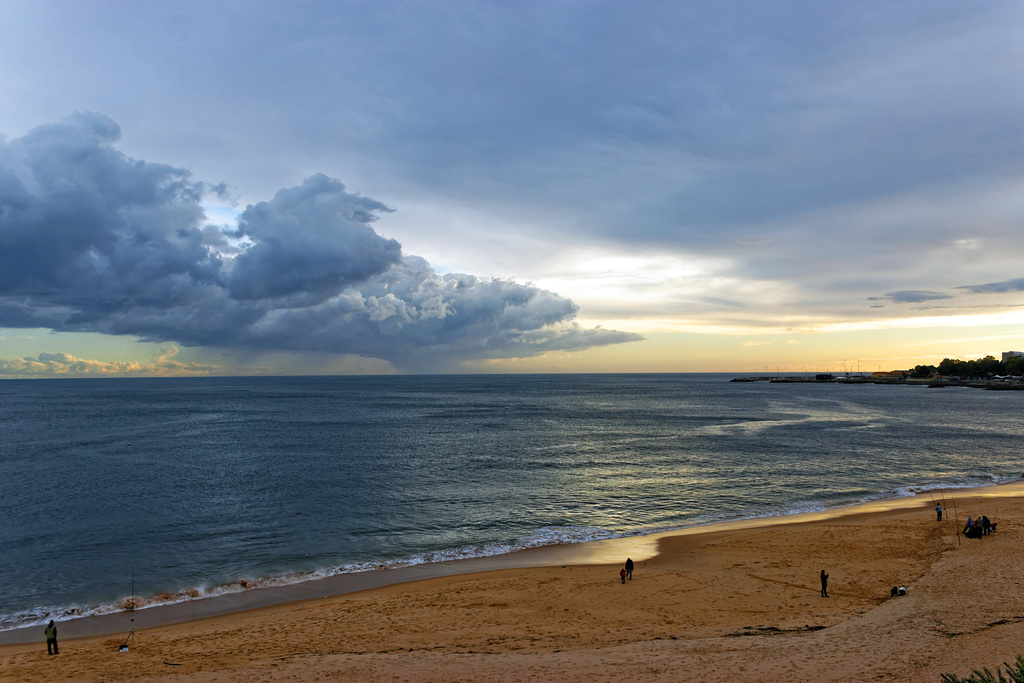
(824, 584)
(51, 638)
(986, 525)
(938, 511)
(629, 568)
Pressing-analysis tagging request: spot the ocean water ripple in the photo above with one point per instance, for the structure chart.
(190, 488)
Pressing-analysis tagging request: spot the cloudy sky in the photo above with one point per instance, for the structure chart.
(324, 187)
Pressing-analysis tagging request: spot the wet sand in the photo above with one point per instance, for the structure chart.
(737, 602)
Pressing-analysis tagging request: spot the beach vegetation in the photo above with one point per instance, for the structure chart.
(1015, 673)
(986, 367)
(923, 371)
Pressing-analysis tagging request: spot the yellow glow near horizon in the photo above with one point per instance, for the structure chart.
(790, 325)
(965, 320)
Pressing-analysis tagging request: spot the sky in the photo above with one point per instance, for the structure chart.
(195, 188)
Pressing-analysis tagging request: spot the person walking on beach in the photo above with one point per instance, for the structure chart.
(622, 574)
(938, 511)
(51, 638)
(824, 584)
(629, 568)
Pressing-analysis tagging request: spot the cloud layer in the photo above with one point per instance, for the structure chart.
(94, 241)
(66, 365)
(721, 169)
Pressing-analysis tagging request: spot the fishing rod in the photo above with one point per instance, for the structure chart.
(938, 506)
(958, 541)
(930, 495)
(131, 611)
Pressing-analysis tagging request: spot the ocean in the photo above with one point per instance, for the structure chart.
(176, 489)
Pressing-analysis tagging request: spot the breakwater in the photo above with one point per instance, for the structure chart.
(999, 384)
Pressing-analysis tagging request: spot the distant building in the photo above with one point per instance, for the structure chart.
(890, 374)
(1007, 355)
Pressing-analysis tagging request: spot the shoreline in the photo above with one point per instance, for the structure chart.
(591, 553)
(715, 603)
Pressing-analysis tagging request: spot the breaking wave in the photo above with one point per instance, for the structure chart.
(541, 537)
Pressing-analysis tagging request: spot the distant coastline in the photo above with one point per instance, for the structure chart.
(1011, 384)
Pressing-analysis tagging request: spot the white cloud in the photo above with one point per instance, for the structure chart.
(66, 365)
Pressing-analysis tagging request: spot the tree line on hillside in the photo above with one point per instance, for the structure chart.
(986, 367)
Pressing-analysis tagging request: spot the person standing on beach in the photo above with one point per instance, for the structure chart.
(938, 511)
(51, 638)
(622, 574)
(629, 568)
(824, 584)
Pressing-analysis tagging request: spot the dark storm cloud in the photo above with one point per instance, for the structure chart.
(310, 241)
(85, 230)
(92, 240)
(915, 296)
(1016, 285)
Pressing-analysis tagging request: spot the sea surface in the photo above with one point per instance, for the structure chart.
(176, 489)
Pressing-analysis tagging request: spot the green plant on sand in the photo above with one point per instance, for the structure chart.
(1015, 673)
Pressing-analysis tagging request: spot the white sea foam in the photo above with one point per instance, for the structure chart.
(545, 536)
(541, 537)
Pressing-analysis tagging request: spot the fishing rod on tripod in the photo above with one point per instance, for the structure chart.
(131, 610)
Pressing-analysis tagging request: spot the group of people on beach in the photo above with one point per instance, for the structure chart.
(627, 570)
(976, 528)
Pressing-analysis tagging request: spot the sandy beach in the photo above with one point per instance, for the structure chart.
(739, 602)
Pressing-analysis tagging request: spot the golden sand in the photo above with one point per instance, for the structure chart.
(735, 604)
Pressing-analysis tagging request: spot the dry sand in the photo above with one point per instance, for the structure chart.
(740, 604)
